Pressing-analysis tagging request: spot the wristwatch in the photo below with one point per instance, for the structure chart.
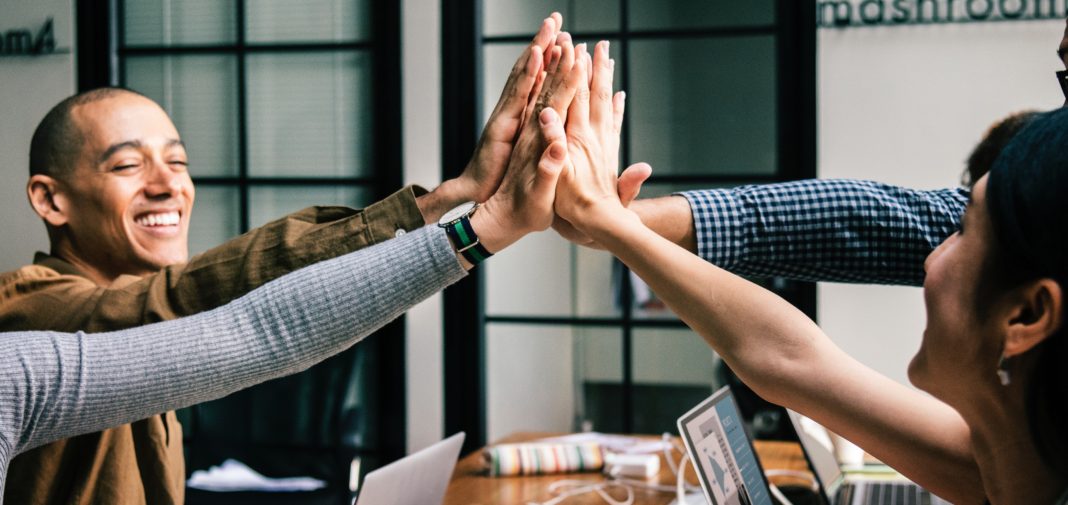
(457, 224)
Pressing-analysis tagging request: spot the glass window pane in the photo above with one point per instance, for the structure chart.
(532, 277)
(676, 14)
(549, 367)
(674, 369)
(704, 106)
(307, 20)
(267, 203)
(544, 275)
(498, 59)
(310, 115)
(165, 22)
(216, 217)
(200, 95)
(512, 17)
(599, 373)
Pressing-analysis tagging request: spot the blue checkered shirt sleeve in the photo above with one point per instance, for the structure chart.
(837, 230)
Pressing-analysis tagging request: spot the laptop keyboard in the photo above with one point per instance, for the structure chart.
(886, 493)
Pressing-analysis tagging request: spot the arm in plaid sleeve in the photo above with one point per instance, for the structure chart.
(835, 230)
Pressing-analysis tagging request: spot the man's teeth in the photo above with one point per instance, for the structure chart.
(165, 219)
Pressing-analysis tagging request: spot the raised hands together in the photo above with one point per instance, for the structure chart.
(550, 150)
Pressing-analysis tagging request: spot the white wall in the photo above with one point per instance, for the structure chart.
(421, 68)
(905, 105)
(29, 86)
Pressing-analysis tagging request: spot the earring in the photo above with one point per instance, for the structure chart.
(1003, 371)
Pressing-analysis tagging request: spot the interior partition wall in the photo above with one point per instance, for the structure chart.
(561, 338)
(281, 105)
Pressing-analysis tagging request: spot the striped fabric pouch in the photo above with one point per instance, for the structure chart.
(532, 459)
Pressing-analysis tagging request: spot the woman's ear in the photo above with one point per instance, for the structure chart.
(46, 199)
(1037, 313)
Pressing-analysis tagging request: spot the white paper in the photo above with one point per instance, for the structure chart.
(233, 475)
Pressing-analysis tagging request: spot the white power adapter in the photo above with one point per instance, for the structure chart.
(635, 466)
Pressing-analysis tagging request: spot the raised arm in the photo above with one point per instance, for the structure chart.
(282, 246)
(775, 348)
(837, 230)
(58, 385)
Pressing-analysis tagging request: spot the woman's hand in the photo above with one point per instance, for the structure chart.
(589, 185)
(630, 184)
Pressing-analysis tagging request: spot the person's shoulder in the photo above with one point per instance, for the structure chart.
(31, 280)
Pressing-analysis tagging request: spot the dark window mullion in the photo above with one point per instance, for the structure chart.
(309, 47)
(242, 117)
(626, 293)
(701, 33)
(586, 321)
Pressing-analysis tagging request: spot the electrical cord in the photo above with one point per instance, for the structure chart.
(569, 487)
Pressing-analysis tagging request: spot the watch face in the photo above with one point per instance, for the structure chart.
(457, 212)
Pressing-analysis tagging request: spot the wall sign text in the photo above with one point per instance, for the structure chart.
(27, 42)
(847, 13)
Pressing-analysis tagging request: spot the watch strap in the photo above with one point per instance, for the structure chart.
(465, 240)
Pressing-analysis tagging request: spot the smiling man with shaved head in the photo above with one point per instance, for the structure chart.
(109, 176)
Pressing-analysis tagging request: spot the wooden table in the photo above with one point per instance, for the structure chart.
(471, 486)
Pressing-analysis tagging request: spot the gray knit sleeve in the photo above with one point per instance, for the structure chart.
(57, 385)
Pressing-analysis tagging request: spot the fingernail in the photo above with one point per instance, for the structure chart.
(623, 95)
(607, 46)
(556, 151)
(547, 117)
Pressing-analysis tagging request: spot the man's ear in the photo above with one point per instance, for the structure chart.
(1036, 315)
(46, 200)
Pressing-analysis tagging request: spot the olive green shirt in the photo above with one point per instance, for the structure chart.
(142, 463)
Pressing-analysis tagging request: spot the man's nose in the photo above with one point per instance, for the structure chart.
(163, 180)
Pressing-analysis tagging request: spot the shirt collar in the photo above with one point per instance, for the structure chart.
(56, 264)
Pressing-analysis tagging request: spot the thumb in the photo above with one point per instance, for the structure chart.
(552, 129)
(553, 158)
(631, 180)
(549, 167)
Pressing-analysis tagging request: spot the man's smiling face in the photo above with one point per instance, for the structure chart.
(129, 194)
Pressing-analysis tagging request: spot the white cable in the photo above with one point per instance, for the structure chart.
(680, 480)
(778, 494)
(664, 488)
(667, 452)
(582, 487)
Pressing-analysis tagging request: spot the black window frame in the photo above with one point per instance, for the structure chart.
(462, 42)
(100, 59)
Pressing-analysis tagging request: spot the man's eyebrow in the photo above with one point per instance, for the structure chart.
(114, 148)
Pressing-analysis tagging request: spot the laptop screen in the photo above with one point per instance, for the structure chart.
(816, 444)
(723, 456)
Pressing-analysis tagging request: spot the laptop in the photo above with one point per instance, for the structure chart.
(721, 451)
(418, 479)
(836, 489)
